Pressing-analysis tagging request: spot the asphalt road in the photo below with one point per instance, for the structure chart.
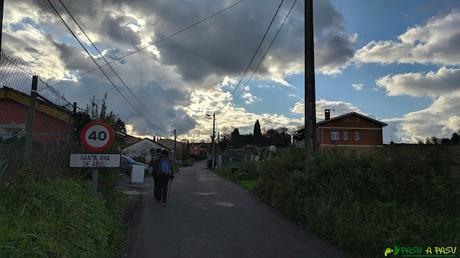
(208, 216)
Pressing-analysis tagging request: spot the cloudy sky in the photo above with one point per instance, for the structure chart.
(398, 61)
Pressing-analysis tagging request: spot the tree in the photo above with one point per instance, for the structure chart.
(257, 132)
(455, 139)
(278, 137)
(235, 133)
(97, 110)
(236, 138)
(434, 140)
(445, 141)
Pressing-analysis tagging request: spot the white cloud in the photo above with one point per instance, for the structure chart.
(33, 47)
(248, 97)
(436, 42)
(440, 119)
(444, 81)
(228, 116)
(357, 86)
(337, 108)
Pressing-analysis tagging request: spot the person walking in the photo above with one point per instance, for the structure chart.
(164, 173)
(153, 164)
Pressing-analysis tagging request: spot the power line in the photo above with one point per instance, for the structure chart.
(258, 47)
(54, 10)
(268, 48)
(105, 60)
(188, 27)
(255, 53)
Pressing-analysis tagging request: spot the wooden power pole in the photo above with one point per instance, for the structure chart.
(310, 97)
(174, 147)
(2, 3)
(213, 139)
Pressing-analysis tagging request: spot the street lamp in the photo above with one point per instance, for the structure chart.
(213, 136)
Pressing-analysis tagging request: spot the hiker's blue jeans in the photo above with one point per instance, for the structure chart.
(163, 187)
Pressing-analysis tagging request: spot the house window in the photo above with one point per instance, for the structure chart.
(334, 136)
(356, 136)
(345, 136)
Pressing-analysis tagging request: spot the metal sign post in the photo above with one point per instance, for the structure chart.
(94, 174)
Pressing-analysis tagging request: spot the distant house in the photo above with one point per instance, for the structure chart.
(52, 124)
(142, 148)
(198, 149)
(127, 139)
(181, 148)
(350, 131)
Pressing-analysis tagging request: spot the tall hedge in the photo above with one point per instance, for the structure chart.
(365, 203)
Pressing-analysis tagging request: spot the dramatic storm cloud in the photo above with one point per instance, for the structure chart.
(167, 76)
(333, 48)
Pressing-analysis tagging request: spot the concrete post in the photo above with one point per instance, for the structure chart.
(30, 119)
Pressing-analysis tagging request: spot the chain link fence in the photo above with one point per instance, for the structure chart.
(16, 75)
(50, 125)
(233, 157)
(44, 161)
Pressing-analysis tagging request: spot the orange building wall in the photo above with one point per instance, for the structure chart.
(46, 129)
(366, 136)
(370, 133)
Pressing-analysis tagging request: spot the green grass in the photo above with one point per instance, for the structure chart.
(187, 162)
(248, 184)
(362, 204)
(59, 218)
(175, 169)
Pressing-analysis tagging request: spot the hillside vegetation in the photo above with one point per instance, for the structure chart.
(393, 195)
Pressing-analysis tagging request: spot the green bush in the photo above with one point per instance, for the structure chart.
(187, 162)
(363, 204)
(59, 218)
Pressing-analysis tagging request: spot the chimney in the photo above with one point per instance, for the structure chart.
(327, 114)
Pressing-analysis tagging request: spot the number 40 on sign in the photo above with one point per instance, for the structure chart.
(97, 136)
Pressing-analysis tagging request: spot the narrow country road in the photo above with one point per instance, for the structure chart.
(208, 216)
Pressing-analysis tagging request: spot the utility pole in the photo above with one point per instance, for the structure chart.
(73, 137)
(213, 139)
(30, 119)
(310, 96)
(2, 3)
(174, 147)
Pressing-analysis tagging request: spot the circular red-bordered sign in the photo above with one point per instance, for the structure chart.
(97, 136)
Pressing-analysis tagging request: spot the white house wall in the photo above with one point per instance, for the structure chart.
(142, 149)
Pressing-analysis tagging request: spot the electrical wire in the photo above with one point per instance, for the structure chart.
(258, 47)
(105, 60)
(268, 48)
(54, 10)
(254, 55)
(188, 27)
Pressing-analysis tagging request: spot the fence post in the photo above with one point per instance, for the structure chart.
(73, 130)
(30, 119)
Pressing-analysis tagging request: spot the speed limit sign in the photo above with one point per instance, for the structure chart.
(97, 136)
